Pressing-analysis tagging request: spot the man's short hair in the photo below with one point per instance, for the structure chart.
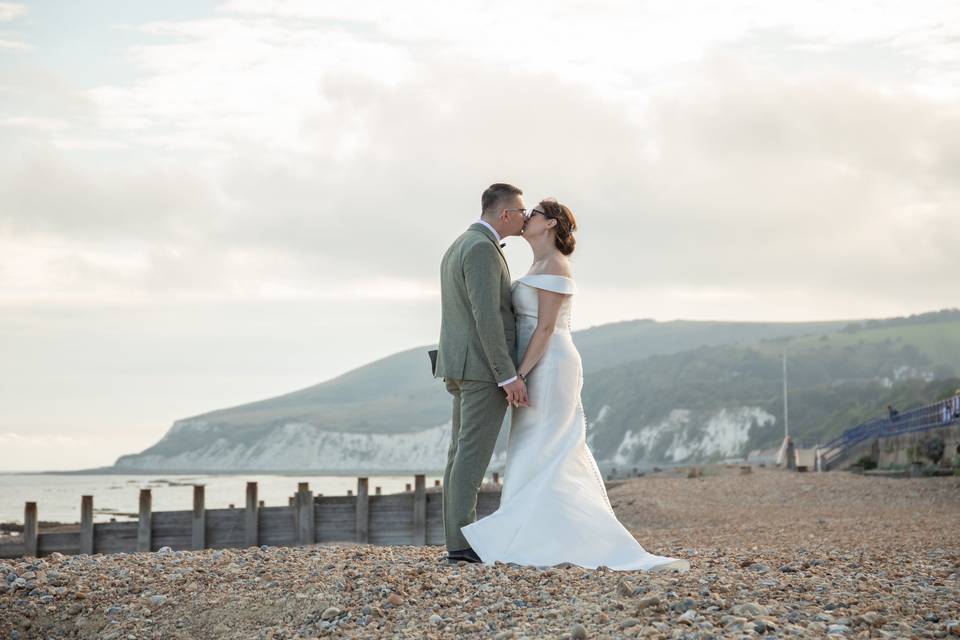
(494, 196)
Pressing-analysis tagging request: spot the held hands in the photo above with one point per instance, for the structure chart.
(517, 393)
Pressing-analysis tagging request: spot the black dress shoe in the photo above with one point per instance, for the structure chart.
(463, 555)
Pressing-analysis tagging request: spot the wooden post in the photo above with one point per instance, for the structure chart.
(30, 529)
(408, 488)
(420, 509)
(303, 487)
(349, 492)
(363, 511)
(376, 490)
(305, 518)
(252, 520)
(199, 540)
(261, 503)
(291, 500)
(145, 525)
(86, 524)
(496, 478)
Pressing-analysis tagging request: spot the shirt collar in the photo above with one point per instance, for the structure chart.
(490, 226)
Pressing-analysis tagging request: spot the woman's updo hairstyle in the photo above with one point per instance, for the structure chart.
(566, 224)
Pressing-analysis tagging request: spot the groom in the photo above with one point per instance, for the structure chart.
(476, 355)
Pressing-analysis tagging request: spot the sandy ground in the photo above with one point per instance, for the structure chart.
(772, 553)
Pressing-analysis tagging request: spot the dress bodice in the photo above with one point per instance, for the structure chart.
(526, 302)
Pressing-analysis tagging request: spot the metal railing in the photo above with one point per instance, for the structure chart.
(932, 416)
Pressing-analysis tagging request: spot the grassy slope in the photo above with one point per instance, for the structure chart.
(645, 368)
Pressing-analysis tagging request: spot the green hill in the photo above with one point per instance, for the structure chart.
(653, 392)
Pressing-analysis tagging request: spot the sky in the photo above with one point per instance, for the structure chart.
(208, 203)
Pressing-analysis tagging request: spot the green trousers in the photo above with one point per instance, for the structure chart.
(478, 411)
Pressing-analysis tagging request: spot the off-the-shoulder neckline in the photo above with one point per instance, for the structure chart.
(541, 275)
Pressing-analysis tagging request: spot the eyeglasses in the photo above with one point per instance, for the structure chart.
(523, 212)
(533, 213)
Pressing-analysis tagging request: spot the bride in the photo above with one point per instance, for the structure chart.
(554, 506)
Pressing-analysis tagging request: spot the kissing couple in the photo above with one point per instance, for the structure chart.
(507, 343)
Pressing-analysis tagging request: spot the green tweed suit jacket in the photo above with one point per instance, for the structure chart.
(478, 335)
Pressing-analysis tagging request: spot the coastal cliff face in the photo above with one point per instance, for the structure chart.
(294, 446)
(191, 445)
(654, 394)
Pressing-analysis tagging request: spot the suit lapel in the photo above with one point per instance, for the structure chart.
(476, 226)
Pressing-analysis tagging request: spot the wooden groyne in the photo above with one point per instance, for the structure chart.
(412, 517)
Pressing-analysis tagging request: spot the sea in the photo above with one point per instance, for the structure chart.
(118, 496)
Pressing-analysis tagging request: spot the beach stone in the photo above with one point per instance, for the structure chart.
(683, 605)
(158, 599)
(840, 629)
(578, 632)
(629, 622)
(871, 618)
(394, 599)
(436, 619)
(330, 613)
(879, 558)
(749, 609)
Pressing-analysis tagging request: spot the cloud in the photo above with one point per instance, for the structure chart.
(11, 11)
(288, 148)
(13, 439)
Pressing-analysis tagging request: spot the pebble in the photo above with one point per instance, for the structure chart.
(876, 567)
(330, 613)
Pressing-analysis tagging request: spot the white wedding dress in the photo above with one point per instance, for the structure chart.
(554, 506)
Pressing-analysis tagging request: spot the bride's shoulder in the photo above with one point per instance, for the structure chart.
(557, 265)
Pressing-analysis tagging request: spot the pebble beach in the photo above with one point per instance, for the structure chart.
(771, 552)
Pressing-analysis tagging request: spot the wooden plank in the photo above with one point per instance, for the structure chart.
(487, 503)
(30, 528)
(363, 510)
(436, 533)
(172, 529)
(226, 528)
(306, 527)
(276, 526)
(251, 520)
(420, 509)
(66, 542)
(11, 550)
(199, 536)
(336, 519)
(86, 524)
(391, 519)
(144, 523)
(113, 537)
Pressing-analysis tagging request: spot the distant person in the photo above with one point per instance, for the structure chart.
(554, 507)
(892, 413)
(956, 404)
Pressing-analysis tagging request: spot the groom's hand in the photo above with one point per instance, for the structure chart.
(516, 393)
